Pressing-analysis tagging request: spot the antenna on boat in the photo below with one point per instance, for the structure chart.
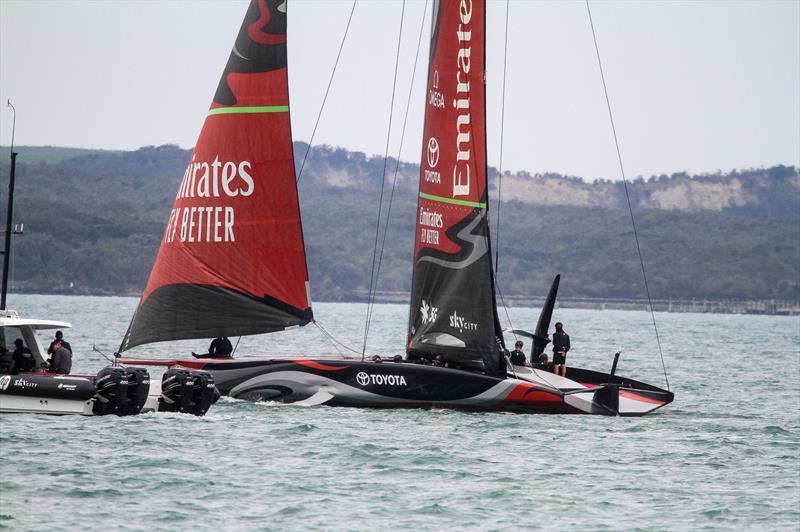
(9, 214)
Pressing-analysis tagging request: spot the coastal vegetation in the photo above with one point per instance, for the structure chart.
(93, 221)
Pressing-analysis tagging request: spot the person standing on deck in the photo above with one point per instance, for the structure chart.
(61, 361)
(59, 338)
(560, 347)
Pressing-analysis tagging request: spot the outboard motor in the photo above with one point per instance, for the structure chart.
(204, 393)
(138, 389)
(177, 389)
(111, 395)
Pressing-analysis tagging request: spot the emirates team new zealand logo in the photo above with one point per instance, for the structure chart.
(260, 45)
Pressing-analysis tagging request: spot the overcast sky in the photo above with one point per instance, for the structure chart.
(695, 86)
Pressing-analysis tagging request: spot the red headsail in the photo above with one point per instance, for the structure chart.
(232, 260)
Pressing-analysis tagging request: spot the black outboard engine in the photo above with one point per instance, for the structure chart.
(177, 388)
(138, 389)
(111, 395)
(190, 392)
(204, 393)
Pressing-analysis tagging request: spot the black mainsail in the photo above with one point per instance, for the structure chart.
(453, 310)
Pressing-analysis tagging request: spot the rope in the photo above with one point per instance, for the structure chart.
(325, 98)
(505, 308)
(236, 346)
(502, 131)
(334, 341)
(627, 195)
(372, 281)
(500, 179)
(397, 161)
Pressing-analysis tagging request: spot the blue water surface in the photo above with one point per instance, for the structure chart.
(724, 455)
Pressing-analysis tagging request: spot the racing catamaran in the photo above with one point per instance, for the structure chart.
(232, 260)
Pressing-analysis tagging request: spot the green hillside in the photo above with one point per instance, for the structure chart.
(93, 222)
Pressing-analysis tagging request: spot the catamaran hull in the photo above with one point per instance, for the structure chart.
(406, 385)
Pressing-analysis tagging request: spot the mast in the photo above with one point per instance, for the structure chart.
(232, 259)
(9, 213)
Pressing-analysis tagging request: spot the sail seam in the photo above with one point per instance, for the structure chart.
(249, 110)
(465, 203)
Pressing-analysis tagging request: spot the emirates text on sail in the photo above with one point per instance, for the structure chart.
(461, 103)
(209, 223)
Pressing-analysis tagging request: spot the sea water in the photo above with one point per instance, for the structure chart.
(724, 455)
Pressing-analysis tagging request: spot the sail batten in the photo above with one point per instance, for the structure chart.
(453, 310)
(232, 259)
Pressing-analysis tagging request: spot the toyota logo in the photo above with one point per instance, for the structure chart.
(433, 152)
(362, 378)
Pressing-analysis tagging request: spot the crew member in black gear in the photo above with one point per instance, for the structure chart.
(59, 338)
(220, 348)
(22, 358)
(517, 355)
(560, 348)
(61, 361)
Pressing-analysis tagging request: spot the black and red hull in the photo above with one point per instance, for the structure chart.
(368, 384)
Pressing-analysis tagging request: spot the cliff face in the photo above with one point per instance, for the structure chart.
(765, 193)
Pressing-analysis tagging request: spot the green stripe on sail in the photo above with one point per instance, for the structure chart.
(465, 203)
(249, 110)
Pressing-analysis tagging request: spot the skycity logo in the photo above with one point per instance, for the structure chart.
(23, 383)
(460, 323)
(364, 379)
(5, 380)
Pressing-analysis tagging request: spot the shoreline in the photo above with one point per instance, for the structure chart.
(768, 307)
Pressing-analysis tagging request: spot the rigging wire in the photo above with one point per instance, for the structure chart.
(627, 195)
(327, 90)
(372, 283)
(505, 308)
(236, 346)
(397, 162)
(502, 131)
(500, 180)
(336, 343)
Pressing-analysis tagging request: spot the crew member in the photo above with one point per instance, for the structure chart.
(517, 356)
(61, 361)
(560, 348)
(220, 348)
(59, 338)
(543, 362)
(22, 358)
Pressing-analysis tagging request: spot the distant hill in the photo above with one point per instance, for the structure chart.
(48, 154)
(94, 219)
